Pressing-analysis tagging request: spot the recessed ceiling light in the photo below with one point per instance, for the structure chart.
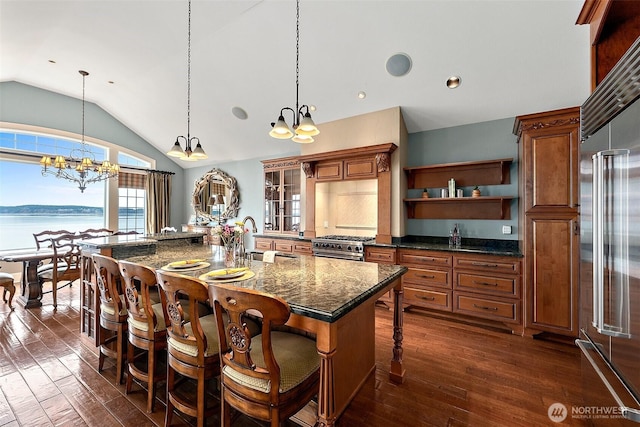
(52, 61)
(239, 113)
(399, 64)
(312, 107)
(110, 82)
(362, 94)
(453, 82)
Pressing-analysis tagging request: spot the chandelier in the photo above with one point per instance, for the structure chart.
(80, 167)
(176, 151)
(303, 127)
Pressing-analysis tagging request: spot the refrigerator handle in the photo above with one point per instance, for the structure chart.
(610, 248)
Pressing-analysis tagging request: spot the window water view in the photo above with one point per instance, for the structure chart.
(31, 203)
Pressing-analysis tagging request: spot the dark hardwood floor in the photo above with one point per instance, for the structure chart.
(456, 375)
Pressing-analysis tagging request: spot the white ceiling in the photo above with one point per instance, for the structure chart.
(514, 57)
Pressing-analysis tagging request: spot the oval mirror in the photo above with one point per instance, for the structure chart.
(206, 188)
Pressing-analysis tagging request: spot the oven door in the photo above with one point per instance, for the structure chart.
(352, 256)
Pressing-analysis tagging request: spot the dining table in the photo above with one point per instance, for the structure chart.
(31, 293)
(332, 299)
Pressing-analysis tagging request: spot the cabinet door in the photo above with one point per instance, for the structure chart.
(329, 171)
(290, 208)
(360, 168)
(272, 200)
(552, 275)
(551, 168)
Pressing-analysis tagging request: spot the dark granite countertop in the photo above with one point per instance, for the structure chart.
(137, 239)
(470, 245)
(320, 288)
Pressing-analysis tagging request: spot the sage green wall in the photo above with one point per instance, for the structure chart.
(478, 141)
(29, 105)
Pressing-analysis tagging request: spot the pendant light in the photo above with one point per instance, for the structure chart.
(176, 151)
(303, 127)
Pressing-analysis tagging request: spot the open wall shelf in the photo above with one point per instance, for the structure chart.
(498, 207)
(466, 174)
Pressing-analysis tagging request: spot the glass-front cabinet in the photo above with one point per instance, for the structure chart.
(282, 198)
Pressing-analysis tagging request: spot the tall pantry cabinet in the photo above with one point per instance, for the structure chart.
(549, 205)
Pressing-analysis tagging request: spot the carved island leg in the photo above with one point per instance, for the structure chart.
(326, 395)
(396, 372)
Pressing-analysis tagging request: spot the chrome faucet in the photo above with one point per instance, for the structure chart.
(253, 221)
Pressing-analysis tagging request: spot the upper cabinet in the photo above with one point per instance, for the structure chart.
(485, 172)
(614, 26)
(282, 196)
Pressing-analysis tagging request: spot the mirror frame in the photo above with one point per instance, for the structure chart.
(233, 199)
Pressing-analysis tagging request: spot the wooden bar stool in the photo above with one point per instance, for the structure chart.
(146, 327)
(113, 313)
(6, 282)
(192, 346)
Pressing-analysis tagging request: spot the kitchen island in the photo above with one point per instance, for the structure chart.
(332, 299)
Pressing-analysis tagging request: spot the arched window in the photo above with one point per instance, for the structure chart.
(31, 202)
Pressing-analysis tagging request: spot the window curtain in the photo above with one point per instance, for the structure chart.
(158, 192)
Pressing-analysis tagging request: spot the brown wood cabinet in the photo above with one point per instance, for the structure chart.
(484, 289)
(427, 284)
(549, 203)
(613, 28)
(489, 287)
(381, 255)
(300, 247)
(282, 190)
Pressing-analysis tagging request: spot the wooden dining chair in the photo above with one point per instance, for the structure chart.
(66, 263)
(7, 285)
(270, 376)
(112, 334)
(192, 346)
(146, 326)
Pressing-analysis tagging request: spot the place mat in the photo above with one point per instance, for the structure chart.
(245, 276)
(191, 267)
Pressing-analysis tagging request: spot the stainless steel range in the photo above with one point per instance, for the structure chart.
(343, 247)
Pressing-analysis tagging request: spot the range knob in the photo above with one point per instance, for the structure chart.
(349, 248)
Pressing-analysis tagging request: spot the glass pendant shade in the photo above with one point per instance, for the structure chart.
(199, 153)
(281, 129)
(307, 127)
(302, 139)
(176, 150)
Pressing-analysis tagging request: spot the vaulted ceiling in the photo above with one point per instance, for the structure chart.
(514, 57)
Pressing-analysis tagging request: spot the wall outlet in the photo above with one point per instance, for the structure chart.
(326, 224)
(506, 229)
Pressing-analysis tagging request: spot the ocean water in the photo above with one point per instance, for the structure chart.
(16, 231)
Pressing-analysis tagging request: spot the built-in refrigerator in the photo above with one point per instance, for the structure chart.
(610, 246)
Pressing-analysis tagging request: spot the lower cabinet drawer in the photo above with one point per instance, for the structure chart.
(428, 298)
(302, 248)
(430, 277)
(488, 308)
(284, 246)
(263, 245)
(489, 284)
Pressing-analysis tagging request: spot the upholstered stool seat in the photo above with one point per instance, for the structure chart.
(6, 282)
